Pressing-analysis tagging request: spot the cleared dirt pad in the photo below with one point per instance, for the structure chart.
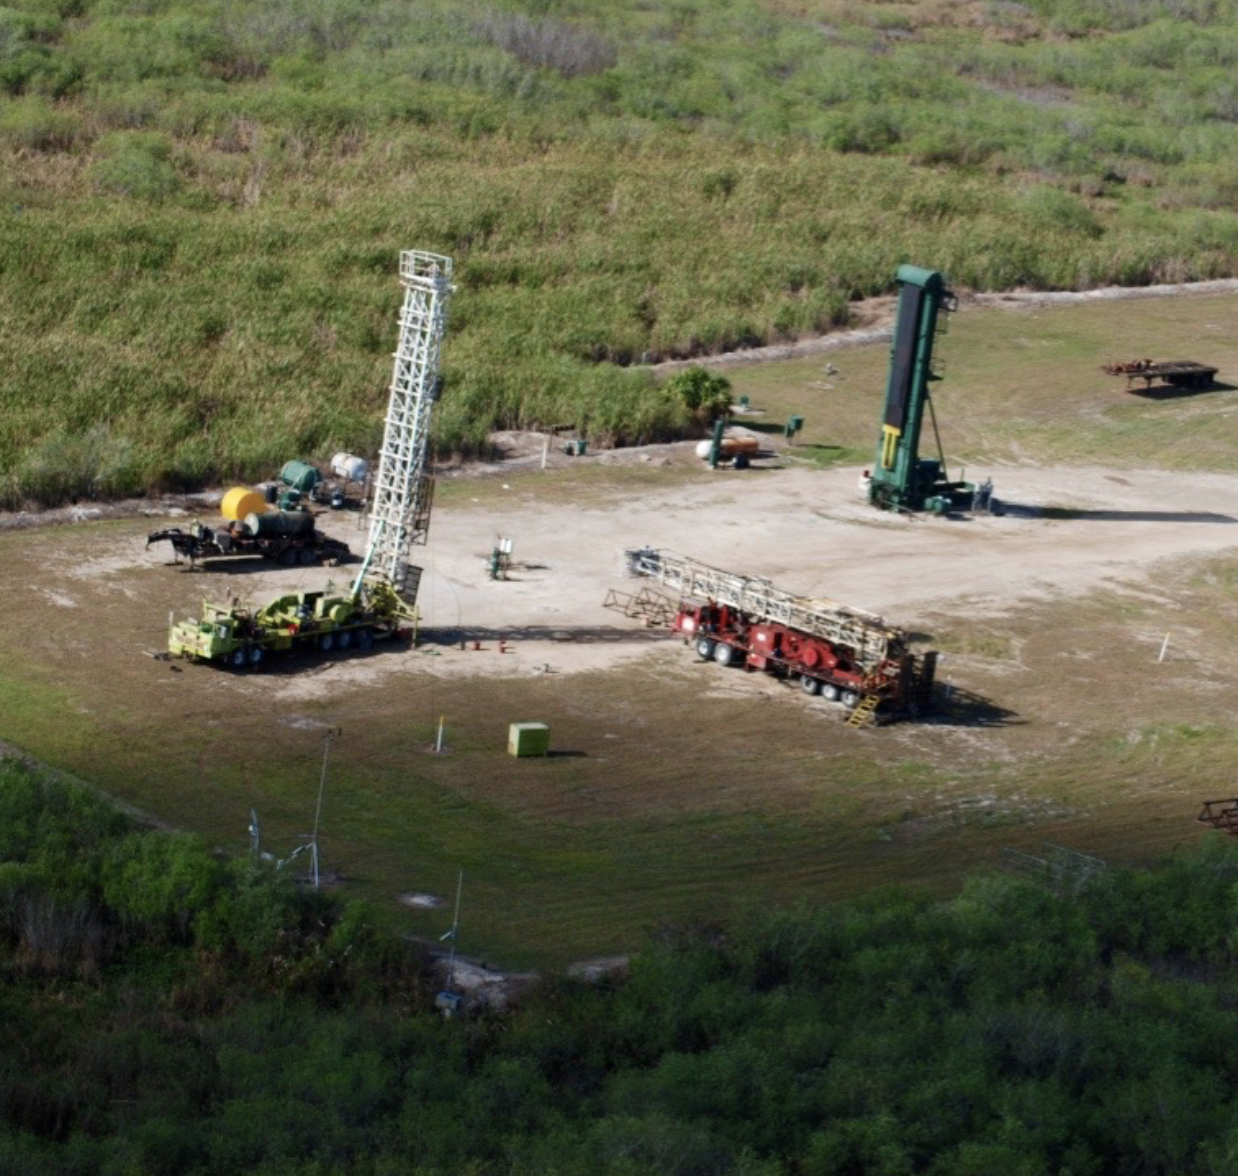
(1063, 532)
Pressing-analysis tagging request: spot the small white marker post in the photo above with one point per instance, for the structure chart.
(1164, 646)
(438, 742)
(545, 450)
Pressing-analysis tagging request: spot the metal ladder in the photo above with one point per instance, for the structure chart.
(865, 713)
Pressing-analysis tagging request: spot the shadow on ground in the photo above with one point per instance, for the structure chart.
(1170, 392)
(965, 708)
(1020, 510)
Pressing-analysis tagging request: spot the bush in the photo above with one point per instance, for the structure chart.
(549, 44)
(136, 164)
(705, 394)
(35, 124)
(67, 465)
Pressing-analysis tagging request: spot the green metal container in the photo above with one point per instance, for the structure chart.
(528, 739)
(278, 524)
(300, 475)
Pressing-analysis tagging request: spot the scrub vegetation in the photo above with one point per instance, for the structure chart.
(168, 1011)
(201, 205)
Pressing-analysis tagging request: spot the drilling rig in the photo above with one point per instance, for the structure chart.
(385, 591)
(836, 653)
(901, 480)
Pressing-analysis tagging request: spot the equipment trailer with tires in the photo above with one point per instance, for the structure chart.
(385, 590)
(837, 653)
(281, 537)
(242, 637)
(1178, 373)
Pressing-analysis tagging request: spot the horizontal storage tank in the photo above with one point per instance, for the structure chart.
(279, 524)
(729, 447)
(300, 475)
(241, 501)
(350, 467)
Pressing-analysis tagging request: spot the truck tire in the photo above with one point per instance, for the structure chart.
(705, 647)
(326, 643)
(343, 641)
(724, 655)
(257, 655)
(365, 639)
(849, 698)
(829, 692)
(810, 686)
(236, 659)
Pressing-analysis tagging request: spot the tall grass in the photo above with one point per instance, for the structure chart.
(202, 206)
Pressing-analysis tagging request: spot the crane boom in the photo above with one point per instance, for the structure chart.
(872, 641)
(404, 485)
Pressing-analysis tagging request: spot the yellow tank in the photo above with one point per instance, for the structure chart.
(241, 501)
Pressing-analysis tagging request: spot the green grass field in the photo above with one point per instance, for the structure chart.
(1024, 385)
(202, 206)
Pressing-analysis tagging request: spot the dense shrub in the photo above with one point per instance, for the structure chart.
(136, 164)
(164, 1010)
(549, 44)
(705, 394)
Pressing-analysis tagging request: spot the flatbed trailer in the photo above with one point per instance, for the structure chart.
(226, 541)
(1179, 373)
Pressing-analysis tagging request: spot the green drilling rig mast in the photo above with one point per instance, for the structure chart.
(901, 479)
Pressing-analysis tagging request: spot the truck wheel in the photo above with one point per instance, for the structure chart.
(724, 655)
(809, 685)
(705, 648)
(343, 640)
(236, 659)
(829, 692)
(257, 655)
(849, 699)
(326, 643)
(365, 638)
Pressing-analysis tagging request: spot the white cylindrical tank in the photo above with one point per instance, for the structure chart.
(350, 467)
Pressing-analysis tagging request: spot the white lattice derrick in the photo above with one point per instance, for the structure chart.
(403, 485)
(866, 634)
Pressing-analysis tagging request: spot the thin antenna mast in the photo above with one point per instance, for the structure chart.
(322, 784)
(455, 928)
(449, 1000)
